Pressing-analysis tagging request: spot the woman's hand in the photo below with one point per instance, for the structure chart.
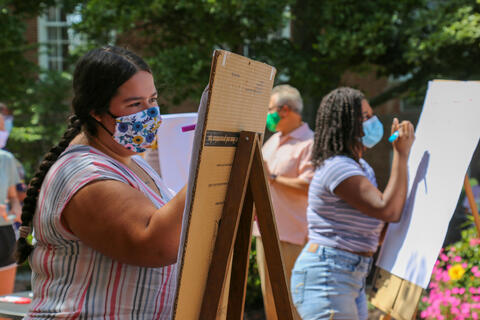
(406, 136)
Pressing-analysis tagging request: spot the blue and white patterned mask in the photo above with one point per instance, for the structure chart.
(137, 131)
(373, 130)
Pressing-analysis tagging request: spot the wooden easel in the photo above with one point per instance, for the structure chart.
(471, 201)
(476, 219)
(247, 185)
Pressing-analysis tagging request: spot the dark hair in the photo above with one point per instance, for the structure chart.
(338, 127)
(98, 75)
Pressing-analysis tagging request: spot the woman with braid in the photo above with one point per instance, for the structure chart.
(346, 212)
(106, 227)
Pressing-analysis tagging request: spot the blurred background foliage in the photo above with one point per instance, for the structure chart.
(409, 42)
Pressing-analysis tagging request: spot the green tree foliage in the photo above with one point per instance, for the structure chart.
(410, 41)
(177, 37)
(15, 68)
(40, 118)
(39, 101)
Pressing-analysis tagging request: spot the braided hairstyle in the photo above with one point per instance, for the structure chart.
(98, 75)
(338, 127)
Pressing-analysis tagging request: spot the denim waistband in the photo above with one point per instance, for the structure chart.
(325, 251)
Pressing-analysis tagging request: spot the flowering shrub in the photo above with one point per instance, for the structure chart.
(454, 290)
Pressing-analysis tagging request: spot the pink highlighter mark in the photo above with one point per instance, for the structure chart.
(188, 128)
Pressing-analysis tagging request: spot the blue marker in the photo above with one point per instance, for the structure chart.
(393, 137)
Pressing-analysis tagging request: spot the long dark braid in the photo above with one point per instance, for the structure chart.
(30, 203)
(338, 126)
(97, 76)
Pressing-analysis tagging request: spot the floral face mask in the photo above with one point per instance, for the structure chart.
(137, 131)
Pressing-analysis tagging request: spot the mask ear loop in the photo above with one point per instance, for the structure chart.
(101, 124)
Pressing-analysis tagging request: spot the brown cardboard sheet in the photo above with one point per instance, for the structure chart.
(236, 100)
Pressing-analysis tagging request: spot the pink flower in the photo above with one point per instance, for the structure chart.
(443, 257)
(457, 259)
(474, 241)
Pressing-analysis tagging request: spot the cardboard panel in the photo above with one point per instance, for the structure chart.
(395, 296)
(237, 100)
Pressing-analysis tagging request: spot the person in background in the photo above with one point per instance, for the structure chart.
(287, 160)
(7, 117)
(107, 229)
(6, 124)
(346, 211)
(10, 211)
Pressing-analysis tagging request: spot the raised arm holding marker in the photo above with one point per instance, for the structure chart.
(190, 127)
(393, 137)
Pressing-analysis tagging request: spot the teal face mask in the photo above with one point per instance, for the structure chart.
(272, 120)
(373, 130)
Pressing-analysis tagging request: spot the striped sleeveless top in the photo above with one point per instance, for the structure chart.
(72, 281)
(331, 221)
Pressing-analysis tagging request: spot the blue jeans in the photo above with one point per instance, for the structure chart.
(330, 284)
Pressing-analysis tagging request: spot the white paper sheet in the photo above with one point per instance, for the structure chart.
(175, 148)
(446, 136)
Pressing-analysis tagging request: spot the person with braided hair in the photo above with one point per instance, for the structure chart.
(107, 229)
(346, 211)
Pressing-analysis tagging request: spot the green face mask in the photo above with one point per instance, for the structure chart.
(272, 121)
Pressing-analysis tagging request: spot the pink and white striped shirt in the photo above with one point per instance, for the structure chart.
(71, 280)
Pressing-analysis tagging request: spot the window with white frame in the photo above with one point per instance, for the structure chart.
(56, 38)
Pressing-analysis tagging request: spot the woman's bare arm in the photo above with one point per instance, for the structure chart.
(122, 223)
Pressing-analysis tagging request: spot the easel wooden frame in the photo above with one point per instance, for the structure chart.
(408, 287)
(247, 185)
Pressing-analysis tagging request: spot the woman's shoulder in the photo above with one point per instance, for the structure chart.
(340, 160)
(82, 158)
(87, 154)
(339, 165)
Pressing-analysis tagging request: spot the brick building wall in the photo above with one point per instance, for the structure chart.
(31, 35)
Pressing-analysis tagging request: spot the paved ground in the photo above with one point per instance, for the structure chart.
(22, 283)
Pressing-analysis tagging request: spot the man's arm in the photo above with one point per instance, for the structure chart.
(295, 183)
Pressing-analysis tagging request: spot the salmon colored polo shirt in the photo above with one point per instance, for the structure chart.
(289, 156)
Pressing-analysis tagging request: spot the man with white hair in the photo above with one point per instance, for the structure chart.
(287, 160)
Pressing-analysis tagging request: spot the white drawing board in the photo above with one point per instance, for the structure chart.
(446, 136)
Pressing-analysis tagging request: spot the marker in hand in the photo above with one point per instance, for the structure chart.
(393, 137)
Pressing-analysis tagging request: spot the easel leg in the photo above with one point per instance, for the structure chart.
(241, 254)
(268, 231)
(471, 201)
